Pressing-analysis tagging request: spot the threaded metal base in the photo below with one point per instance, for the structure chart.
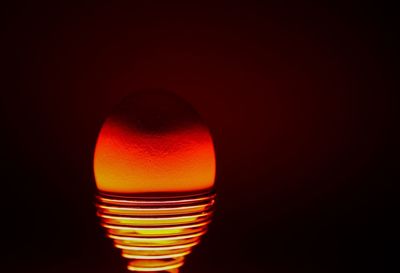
(155, 234)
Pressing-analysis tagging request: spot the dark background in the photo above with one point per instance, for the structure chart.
(298, 97)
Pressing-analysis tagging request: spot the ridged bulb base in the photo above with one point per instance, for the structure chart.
(155, 234)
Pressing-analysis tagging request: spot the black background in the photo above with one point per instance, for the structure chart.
(298, 97)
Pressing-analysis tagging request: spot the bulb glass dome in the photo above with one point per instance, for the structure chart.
(154, 142)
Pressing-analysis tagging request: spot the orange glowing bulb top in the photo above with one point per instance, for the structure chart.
(154, 142)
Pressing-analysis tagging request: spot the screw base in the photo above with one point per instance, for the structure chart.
(155, 234)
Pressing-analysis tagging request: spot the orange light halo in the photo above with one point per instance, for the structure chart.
(126, 161)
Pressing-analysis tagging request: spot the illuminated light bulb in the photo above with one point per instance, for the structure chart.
(154, 166)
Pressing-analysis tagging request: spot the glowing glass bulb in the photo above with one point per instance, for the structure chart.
(154, 166)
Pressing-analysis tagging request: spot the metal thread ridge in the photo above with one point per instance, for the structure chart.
(155, 234)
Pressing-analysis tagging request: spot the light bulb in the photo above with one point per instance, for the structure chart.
(154, 166)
